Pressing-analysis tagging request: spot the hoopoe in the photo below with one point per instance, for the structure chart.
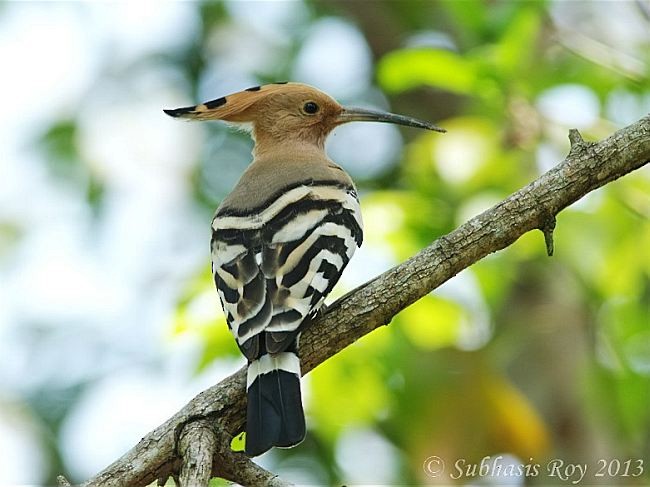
(281, 239)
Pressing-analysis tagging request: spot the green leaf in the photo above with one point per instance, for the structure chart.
(405, 69)
(59, 143)
(432, 322)
(238, 442)
(516, 47)
(218, 482)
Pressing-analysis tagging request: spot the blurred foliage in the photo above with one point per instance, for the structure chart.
(64, 161)
(522, 354)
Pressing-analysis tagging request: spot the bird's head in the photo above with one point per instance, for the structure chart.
(288, 112)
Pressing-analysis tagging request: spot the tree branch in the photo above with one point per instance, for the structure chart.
(196, 444)
(237, 467)
(221, 408)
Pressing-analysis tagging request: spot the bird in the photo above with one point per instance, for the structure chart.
(281, 239)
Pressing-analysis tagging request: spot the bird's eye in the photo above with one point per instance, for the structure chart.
(310, 107)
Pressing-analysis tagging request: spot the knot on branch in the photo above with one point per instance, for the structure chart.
(578, 144)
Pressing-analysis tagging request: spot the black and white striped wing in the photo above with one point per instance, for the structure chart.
(274, 269)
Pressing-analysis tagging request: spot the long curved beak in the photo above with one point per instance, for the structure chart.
(365, 115)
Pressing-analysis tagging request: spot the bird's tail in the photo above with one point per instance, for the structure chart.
(274, 414)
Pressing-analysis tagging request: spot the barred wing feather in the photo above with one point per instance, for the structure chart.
(274, 271)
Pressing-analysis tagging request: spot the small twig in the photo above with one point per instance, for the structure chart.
(547, 229)
(575, 137)
(62, 481)
(600, 53)
(644, 8)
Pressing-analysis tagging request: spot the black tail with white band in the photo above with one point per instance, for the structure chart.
(274, 411)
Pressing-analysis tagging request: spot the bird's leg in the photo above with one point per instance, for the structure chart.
(322, 310)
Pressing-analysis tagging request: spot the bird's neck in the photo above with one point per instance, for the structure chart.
(291, 149)
(305, 142)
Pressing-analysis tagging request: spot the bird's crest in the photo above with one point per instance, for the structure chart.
(231, 108)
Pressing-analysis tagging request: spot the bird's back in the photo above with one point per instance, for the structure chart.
(280, 242)
(274, 174)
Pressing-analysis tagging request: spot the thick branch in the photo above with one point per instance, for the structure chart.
(587, 167)
(196, 446)
(237, 467)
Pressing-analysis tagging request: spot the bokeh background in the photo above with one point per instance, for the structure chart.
(108, 318)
